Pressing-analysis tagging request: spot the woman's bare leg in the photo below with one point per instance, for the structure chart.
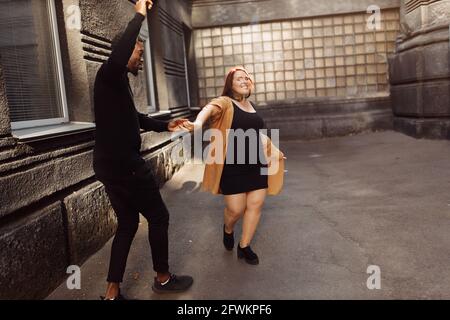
(234, 209)
(255, 202)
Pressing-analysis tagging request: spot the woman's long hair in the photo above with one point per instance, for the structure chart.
(228, 87)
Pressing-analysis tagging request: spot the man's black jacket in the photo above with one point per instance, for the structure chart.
(118, 140)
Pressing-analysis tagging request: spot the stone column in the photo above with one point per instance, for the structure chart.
(420, 70)
(5, 126)
(7, 142)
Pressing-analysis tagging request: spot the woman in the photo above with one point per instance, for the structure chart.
(241, 182)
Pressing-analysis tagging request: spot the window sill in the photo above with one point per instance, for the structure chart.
(45, 132)
(160, 114)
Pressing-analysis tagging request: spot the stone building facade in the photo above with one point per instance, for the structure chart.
(53, 212)
(420, 70)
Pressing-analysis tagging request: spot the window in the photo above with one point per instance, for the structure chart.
(31, 62)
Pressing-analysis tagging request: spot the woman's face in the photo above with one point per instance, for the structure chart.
(241, 83)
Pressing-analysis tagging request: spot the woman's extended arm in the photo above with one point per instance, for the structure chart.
(207, 112)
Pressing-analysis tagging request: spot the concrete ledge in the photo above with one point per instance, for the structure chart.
(315, 118)
(33, 255)
(25, 187)
(46, 132)
(420, 128)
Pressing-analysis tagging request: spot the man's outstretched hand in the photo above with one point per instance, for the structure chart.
(176, 125)
(142, 6)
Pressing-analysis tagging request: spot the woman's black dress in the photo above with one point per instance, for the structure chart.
(240, 176)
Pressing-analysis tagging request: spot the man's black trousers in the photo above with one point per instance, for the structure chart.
(130, 196)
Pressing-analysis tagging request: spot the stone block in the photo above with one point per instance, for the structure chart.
(423, 128)
(406, 66)
(424, 13)
(90, 221)
(436, 61)
(427, 99)
(436, 98)
(33, 254)
(20, 189)
(407, 99)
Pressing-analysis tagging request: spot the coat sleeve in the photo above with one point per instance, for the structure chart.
(149, 124)
(222, 103)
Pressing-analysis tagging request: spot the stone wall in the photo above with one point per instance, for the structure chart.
(53, 212)
(420, 70)
(312, 57)
(317, 118)
(320, 70)
(207, 13)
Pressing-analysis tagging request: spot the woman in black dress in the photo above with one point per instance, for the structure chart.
(242, 184)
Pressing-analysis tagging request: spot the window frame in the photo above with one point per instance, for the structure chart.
(61, 94)
(150, 84)
(188, 94)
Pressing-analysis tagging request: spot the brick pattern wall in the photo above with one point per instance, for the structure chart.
(314, 57)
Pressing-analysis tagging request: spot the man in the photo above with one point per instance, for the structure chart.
(128, 180)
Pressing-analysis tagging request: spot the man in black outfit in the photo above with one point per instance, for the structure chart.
(128, 180)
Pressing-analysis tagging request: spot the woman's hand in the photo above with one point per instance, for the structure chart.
(191, 126)
(176, 125)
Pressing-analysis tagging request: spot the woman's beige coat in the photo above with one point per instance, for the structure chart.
(215, 160)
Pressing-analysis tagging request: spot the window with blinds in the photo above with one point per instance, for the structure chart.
(29, 55)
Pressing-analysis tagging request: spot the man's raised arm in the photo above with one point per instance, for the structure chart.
(123, 49)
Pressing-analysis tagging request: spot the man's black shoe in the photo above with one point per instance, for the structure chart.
(173, 285)
(119, 297)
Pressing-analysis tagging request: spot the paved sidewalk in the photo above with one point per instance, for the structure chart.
(373, 199)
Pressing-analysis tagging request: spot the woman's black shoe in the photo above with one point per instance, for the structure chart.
(228, 240)
(248, 254)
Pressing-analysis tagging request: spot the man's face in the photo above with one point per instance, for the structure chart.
(135, 62)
